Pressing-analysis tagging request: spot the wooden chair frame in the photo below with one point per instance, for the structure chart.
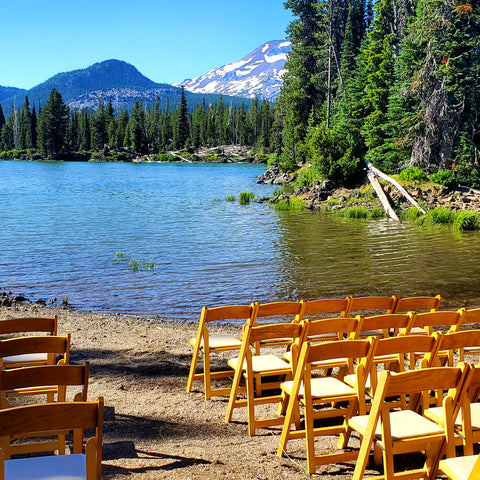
(256, 367)
(469, 316)
(208, 344)
(369, 303)
(328, 391)
(323, 305)
(461, 468)
(14, 350)
(52, 417)
(416, 304)
(29, 325)
(392, 431)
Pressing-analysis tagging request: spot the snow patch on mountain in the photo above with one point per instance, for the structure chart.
(257, 74)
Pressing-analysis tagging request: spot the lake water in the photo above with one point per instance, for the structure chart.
(70, 229)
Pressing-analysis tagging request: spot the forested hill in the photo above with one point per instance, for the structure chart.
(118, 82)
(7, 92)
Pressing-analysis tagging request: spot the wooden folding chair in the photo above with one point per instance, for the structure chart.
(461, 468)
(208, 344)
(51, 380)
(468, 318)
(417, 304)
(327, 392)
(34, 350)
(406, 431)
(52, 417)
(254, 368)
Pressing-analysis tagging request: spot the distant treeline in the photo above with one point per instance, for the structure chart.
(56, 130)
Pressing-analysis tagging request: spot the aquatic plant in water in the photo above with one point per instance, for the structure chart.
(245, 198)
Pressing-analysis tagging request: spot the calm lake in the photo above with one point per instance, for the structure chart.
(78, 230)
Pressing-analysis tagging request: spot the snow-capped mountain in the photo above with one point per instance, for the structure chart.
(259, 73)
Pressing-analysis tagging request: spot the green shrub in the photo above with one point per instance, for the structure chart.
(293, 204)
(333, 201)
(413, 174)
(271, 160)
(245, 198)
(445, 178)
(164, 157)
(412, 214)
(466, 220)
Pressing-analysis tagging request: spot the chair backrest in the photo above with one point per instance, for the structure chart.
(396, 321)
(315, 308)
(436, 319)
(469, 316)
(276, 312)
(40, 379)
(368, 305)
(460, 339)
(29, 324)
(52, 346)
(338, 326)
(417, 304)
(53, 417)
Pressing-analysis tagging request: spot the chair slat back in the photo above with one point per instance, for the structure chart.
(396, 321)
(336, 349)
(274, 331)
(29, 324)
(436, 319)
(228, 312)
(279, 311)
(460, 339)
(333, 326)
(370, 303)
(45, 375)
(469, 316)
(35, 344)
(408, 344)
(325, 305)
(417, 304)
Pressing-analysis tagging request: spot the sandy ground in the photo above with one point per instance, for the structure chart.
(153, 428)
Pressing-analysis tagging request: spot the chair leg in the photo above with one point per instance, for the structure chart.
(251, 403)
(310, 437)
(206, 376)
(193, 367)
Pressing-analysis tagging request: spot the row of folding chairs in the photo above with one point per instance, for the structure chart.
(206, 344)
(34, 362)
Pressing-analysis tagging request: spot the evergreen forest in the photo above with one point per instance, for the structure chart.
(392, 82)
(55, 131)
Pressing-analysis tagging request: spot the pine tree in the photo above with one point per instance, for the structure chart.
(183, 123)
(136, 129)
(52, 126)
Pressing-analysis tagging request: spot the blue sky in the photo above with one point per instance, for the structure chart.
(168, 41)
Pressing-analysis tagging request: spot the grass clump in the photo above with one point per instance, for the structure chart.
(138, 266)
(354, 212)
(376, 213)
(412, 214)
(245, 198)
(333, 201)
(437, 215)
(231, 198)
(413, 174)
(466, 220)
(294, 204)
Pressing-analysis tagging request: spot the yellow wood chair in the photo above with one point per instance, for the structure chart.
(51, 417)
(328, 392)
(34, 350)
(320, 308)
(406, 431)
(382, 325)
(209, 344)
(255, 368)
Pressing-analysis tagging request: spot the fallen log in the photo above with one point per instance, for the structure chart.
(381, 194)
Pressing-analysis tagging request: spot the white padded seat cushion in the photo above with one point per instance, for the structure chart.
(351, 378)
(54, 467)
(436, 412)
(27, 357)
(323, 387)
(262, 363)
(404, 424)
(221, 341)
(461, 466)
